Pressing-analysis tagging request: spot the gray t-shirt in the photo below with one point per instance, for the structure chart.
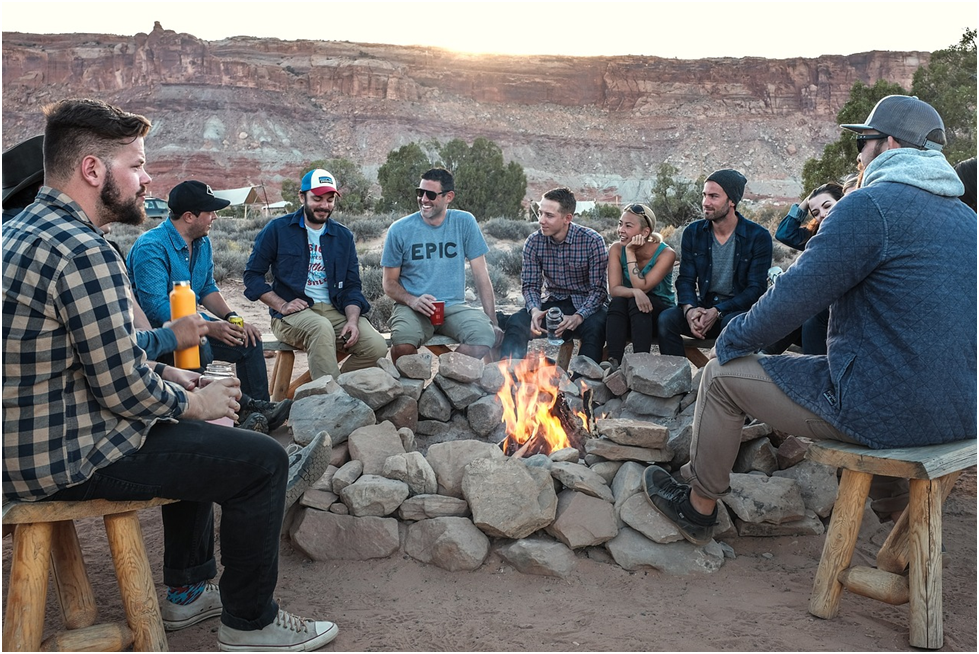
(433, 259)
(722, 268)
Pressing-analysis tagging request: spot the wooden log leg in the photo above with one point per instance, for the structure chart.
(564, 354)
(840, 541)
(925, 566)
(70, 579)
(27, 590)
(282, 374)
(135, 582)
(896, 551)
(695, 356)
(304, 378)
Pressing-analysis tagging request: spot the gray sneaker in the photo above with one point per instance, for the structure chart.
(287, 633)
(668, 497)
(179, 616)
(306, 465)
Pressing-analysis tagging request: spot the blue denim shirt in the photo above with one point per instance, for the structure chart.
(161, 257)
(283, 246)
(752, 259)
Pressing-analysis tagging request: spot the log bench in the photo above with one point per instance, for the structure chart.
(915, 542)
(45, 539)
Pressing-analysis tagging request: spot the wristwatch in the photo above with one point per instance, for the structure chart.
(230, 314)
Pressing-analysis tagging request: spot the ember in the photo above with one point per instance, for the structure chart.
(537, 417)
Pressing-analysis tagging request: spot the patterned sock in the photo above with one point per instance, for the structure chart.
(184, 595)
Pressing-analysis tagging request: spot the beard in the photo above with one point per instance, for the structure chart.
(311, 216)
(112, 207)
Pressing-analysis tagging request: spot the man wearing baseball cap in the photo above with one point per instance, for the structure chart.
(315, 297)
(178, 250)
(895, 263)
(724, 262)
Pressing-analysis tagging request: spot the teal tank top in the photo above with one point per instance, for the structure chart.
(663, 290)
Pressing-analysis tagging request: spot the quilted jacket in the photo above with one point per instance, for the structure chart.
(896, 264)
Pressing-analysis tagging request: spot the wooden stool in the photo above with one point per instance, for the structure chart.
(914, 543)
(45, 537)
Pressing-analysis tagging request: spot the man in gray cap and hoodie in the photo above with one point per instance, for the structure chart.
(724, 262)
(895, 263)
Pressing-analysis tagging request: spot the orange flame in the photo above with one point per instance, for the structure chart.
(527, 404)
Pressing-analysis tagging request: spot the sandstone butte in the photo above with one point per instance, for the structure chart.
(247, 110)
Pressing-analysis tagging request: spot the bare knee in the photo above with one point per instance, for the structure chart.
(398, 351)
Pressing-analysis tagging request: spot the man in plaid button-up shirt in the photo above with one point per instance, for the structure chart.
(565, 266)
(84, 415)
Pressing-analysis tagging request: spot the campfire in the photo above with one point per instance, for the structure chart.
(537, 415)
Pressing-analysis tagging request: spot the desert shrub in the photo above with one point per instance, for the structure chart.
(508, 261)
(370, 259)
(501, 282)
(506, 229)
(380, 313)
(372, 283)
(368, 229)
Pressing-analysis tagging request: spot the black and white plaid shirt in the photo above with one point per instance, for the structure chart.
(77, 392)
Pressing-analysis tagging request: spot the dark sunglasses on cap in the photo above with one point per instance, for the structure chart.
(863, 138)
(431, 195)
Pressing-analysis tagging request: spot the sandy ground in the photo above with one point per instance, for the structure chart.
(757, 601)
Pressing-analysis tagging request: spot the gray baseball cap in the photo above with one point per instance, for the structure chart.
(906, 118)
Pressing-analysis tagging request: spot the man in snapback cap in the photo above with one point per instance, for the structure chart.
(895, 263)
(315, 297)
(178, 250)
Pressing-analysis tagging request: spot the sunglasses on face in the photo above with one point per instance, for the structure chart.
(431, 195)
(863, 138)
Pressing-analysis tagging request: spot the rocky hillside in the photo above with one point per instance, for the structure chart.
(251, 111)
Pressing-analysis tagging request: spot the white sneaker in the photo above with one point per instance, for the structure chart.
(287, 633)
(178, 616)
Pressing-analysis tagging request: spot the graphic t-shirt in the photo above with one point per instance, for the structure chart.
(433, 259)
(316, 284)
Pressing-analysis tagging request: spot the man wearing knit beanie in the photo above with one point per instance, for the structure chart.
(724, 259)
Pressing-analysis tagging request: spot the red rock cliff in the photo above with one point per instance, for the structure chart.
(252, 111)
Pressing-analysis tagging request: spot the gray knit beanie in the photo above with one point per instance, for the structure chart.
(731, 181)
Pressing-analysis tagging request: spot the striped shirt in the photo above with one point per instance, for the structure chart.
(576, 268)
(77, 392)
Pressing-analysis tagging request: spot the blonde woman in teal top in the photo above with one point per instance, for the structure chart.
(640, 281)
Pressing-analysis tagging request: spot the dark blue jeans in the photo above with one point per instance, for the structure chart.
(673, 327)
(202, 464)
(591, 332)
(249, 363)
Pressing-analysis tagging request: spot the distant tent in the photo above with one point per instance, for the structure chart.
(244, 196)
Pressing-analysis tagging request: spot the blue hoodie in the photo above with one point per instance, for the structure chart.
(896, 265)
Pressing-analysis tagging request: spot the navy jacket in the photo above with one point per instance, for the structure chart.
(282, 246)
(752, 257)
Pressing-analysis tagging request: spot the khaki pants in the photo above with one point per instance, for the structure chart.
(315, 330)
(742, 387)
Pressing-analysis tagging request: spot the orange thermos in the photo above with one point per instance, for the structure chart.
(183, 302)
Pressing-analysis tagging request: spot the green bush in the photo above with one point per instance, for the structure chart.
(368, 229)
(380, 313)
(370, 259)
(372, 283)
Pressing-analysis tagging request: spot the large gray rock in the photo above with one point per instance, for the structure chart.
(348, 473)
(412, 469)
(627, 482)
(326, 536)
(412, 387)
(449, 460)
(633, 432)
(372, 495)
(401, 412)
(759, 455)
(449, 543)
(579, 478)
(325, 482)
(633, 551)
(616, 383)
(491, 379)
(600, 394)
(679, 443)
(422, 507)
(372, 386)
(565, 455)
(415, 366)
(337, 413)
(460, 394)
(614, 452)
(485, 415)
(582, 520)
(318, 499)
(430, 432)
(325, 385)
(791, 451)
(372, 445)
(607, 470)
(817, 483)
(649, 405)
(460, 367)
(507, 498)
(388, 366)
(539, 556)
(434, 404)
(757, 498)
(586, 367)
(407, 438)
(809, 525)
(657, 375)
(754, 430)
(637, 512)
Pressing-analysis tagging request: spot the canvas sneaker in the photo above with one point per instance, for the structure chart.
(178, 616)
(287, 633)
(672, 499)
(306, 465)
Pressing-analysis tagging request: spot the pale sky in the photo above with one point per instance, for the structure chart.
(687, 30)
